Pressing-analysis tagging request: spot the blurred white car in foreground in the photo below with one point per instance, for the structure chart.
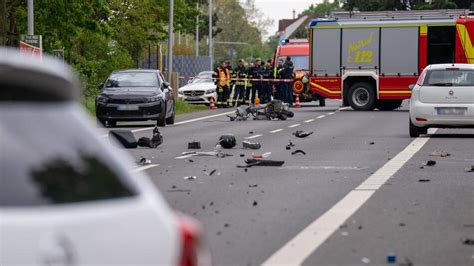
(442, 97)
(68, 198)
(199, 90)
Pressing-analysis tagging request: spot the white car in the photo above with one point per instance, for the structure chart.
(68, 197)
(199, 90)
(442, 97)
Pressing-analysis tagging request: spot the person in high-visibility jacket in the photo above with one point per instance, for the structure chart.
(240, 72)
(222, 80)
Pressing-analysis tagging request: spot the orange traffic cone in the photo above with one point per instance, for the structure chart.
(297, 104)
(211, 103)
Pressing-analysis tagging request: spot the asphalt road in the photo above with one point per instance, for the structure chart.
(263, 214)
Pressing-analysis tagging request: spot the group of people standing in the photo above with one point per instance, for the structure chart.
(255, 83)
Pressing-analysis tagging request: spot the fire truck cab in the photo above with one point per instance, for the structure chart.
(369, 62)
(298, 50)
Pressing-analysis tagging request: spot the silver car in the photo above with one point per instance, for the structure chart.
(199, 90)
(442, 97)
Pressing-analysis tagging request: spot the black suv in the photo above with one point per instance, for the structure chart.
(135, 95)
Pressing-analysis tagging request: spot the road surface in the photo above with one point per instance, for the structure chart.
(360, 193)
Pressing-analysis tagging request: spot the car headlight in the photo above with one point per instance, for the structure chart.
(180, 92)
(153, 99)
(102, 99)
(210, 91)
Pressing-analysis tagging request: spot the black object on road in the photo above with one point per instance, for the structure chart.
(227, 141)
(251, 145)
(424, 180)
(155, 141)
(468, 241)
(194, 145)
(143, 161)
(430, 163)
(298, 151)
(469, 169)
(302, 134)
(262, 162)
(124, 137)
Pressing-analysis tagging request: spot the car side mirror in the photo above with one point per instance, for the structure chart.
(166, 84)
(101, 86)
(411, 86)
(124, 137)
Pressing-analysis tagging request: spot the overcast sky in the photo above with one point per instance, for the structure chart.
(280, 9)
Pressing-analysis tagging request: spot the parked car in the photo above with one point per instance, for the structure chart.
(135, 95)
(443, 97)
(199, 90)
(66, 196)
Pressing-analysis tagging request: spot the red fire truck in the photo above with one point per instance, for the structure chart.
(298, 50)
(369, 61)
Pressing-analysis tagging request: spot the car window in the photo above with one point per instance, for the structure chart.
(448, 77)
(301, 62)
(132, 79)
(50, 158)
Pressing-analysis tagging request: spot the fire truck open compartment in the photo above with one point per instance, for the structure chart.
(441, 41)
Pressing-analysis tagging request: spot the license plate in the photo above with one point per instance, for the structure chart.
(451, 110)
(193, 98)
(127, 107)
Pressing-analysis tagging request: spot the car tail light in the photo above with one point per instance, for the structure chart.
(194, 252)
(421, 119)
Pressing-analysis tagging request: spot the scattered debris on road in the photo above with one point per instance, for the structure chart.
(391, 258)
(254, 203)
(261, 162)
(246, 144)
(155, 141)
(428, 163)
(289, 145)
(227, 141)
(302, 134)
(468, 241)
(424, 180)
(143, 161)
(365, 260)
(371, 143)
(250, 132)
(192, 177)
(298, 151)
(179, 190)
(242, 155)
(469, 169)
(260, 156)
(209, 173)
(440, 154)
(256, 185)
(407, 262)
(124, 137)
(194, 145)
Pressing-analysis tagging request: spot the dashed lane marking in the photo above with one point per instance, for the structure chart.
(143, 168)
(295, 125)
(254, 136)
(298, 249)
(309, 121)
(331, 113)
(321, 116)
(276, 130)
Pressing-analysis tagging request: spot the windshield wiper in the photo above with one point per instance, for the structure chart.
(447, 84)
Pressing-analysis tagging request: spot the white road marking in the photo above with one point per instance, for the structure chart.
(309, 121)
(180, 123)
(276, 130)
(295, 125)
(254, 136)
(321, 116)
(331, 113)
(298, 249)
(184, 156)
(142, 168)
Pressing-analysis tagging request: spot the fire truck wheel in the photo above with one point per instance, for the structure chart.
(361, 97)
(388, 105)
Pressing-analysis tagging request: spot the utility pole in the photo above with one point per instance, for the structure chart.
(170, 42)
(197, 31)
(4, 22)
(31, 19)
(211, 52)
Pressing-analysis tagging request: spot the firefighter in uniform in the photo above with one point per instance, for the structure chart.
(267, 73)
(222, 80)
(278, 74)
(240, 72)
(255, 73)
(288, 72)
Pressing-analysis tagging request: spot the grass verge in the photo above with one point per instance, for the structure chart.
(180, 107)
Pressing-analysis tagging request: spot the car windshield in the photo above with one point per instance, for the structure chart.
(51, 158)
(132, 79)
(201, 79)
(301, 62)
(449, 77)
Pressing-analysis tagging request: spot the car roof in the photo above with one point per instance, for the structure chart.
(24, 77)
(444, 66)
(136, 70)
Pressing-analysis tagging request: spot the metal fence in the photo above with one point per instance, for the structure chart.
(186, 66)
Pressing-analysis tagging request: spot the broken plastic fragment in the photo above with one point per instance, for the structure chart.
(260, 156)
(430, 163)
(302, 134)
(424, 180)
(190, 177)
(298, 151)
(251, 145)
(469, 169)
(194, 145)
(143, 161)
(440, 154)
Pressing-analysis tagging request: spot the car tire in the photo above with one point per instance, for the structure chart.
(388, 105)
(170, 120)
(101, 122)
(414, 130)
(111, 123)
(361, 97)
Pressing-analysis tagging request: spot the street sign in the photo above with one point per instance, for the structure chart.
(31, 45)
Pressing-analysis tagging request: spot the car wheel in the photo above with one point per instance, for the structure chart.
(388, 105)
(170, 120)
(111, 123)
(101, 122)
(361, 97)
(414, 130)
